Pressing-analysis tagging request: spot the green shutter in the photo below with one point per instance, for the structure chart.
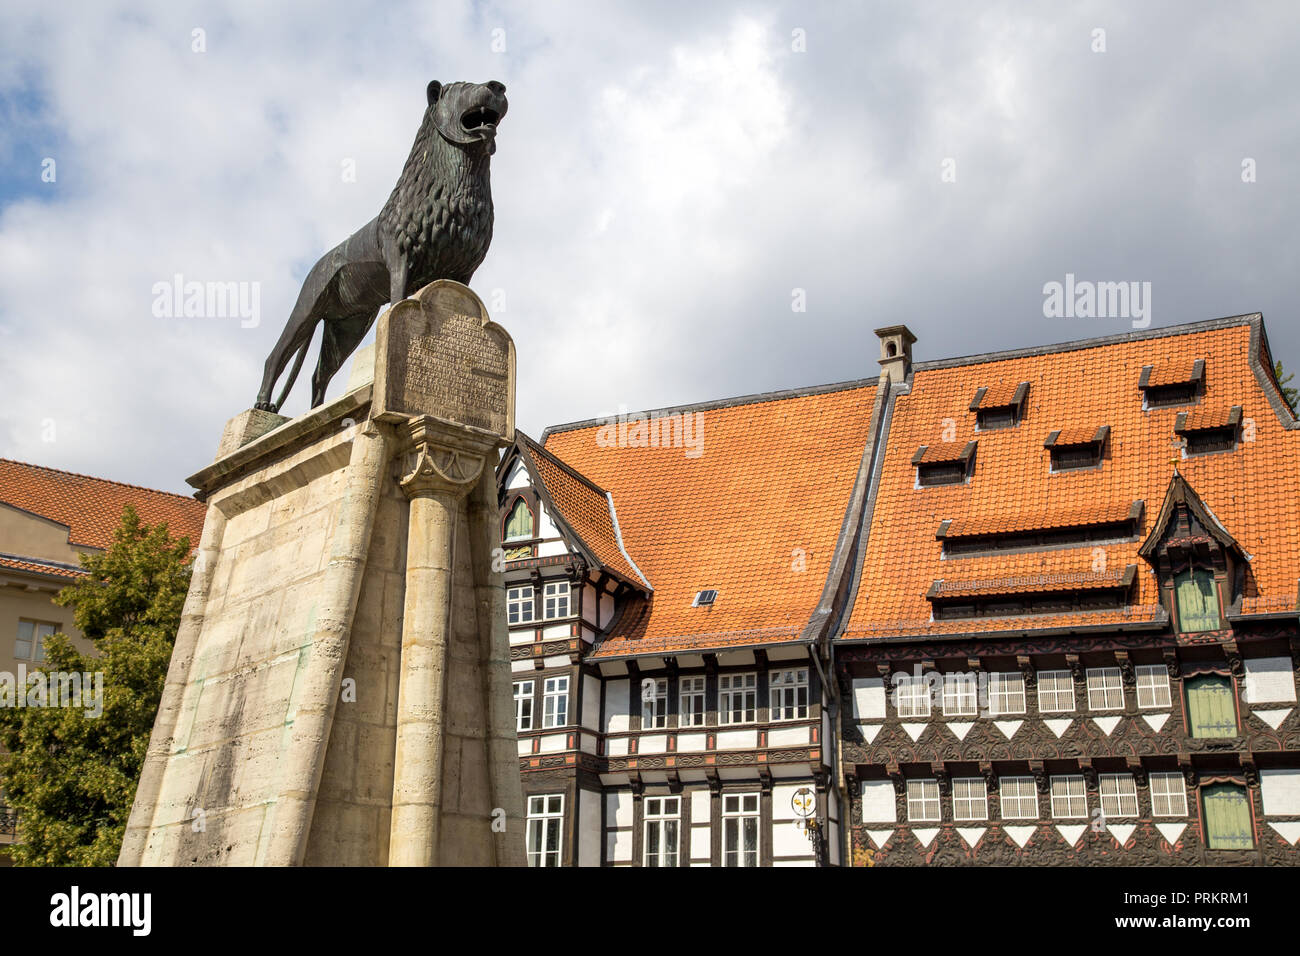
(1227, 817)
(1198, 601)
(1210, 708)
(520, 523)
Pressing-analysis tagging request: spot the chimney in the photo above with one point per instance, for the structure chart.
(895, 352)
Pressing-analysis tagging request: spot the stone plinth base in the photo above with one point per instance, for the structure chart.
(340, 689)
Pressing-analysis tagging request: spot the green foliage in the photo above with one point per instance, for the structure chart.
(1290, 393)
(70, 776)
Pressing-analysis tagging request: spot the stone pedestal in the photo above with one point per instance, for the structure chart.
(340, 689)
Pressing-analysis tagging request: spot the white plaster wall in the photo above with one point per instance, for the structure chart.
(869, 698)
(1270, 680)
(617, 705)
(1281, 792)
(588, 828)
(878, 804)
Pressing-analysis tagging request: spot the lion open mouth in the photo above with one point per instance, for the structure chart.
(480, 118)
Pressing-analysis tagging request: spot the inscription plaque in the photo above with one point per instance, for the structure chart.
(438, 353)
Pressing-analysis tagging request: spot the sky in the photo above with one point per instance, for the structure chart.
(693, 201)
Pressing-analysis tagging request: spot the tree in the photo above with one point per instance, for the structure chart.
(71, 774)
(1288, 393)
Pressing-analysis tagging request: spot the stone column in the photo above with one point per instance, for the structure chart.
(440, 467)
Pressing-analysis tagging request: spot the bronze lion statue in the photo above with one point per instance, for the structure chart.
(437, 224)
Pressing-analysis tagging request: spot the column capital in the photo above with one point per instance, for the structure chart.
(440, 457)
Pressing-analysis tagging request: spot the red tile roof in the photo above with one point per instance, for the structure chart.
(92, 507)
(1019, 521)
(999, 395)
(1077, 435)
(754, 516)
(1174, 372)
(1034, 583)
(583, 505)
(38, 567)
(943, 452)
(1250, 490)
(1208, 416)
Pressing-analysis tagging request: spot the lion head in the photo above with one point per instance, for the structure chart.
(467, 114)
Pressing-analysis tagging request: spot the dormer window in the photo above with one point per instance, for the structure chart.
(704, 598)
(1209, 430)
(946, 464)
(1198, 601)
(1075, 448)
(999, 406)
(1172, 384)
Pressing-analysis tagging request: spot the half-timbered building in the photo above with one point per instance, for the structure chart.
(1031, 607)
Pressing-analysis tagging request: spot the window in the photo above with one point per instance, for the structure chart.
(740, 829)
(545, 822)
(519, 525)
(970, 799)
(519, 605)
(1019, 797)
(555, 702)
(923, 800)
(704, 598)
(1069, 799)
(1006, 693)
(911, 696)
(737, 698)
(524, 705)
(987, 419)
(1119, 795)
(1203, 441)
(1105, 689)
(691, 702)
(1162, 396)
(662, 821)
(960, 695)
(1070, 457)
(941, 473)
(557, 599)
(30, 643)
(1055, 692)
(1168, 795)
(1211, 711)
(789, 694)
(654, 703)
(1197, 600)
(1227, 817)
(1153, 685)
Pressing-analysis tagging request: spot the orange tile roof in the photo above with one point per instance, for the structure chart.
(584, 507)
(1175, 372)
(1076, 435)
(1033, 583)
(1018, 521)
(1208, 416)
(755, 515)
(945, 451)
(999, 395)
(38, 567)
(92, 507)
(1251, 490)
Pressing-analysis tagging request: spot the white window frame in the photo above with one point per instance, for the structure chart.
(555, 701)
(1153, 685)
(923, 805)
(1006, 693)
(524, 705)
(38, 631)
(541, 815)
(788, 694)
(658, 813)
(738, 809)
(654, 707)
(1168, 788)
(518, 599)
(690, 689)
(1105, 684)
(961, 694)
(1067, 788)
(557, 598)
(1119, 795)
(742, 686)
(911, 695)
(1015, 801)
(970, 799)
(1053, 688)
